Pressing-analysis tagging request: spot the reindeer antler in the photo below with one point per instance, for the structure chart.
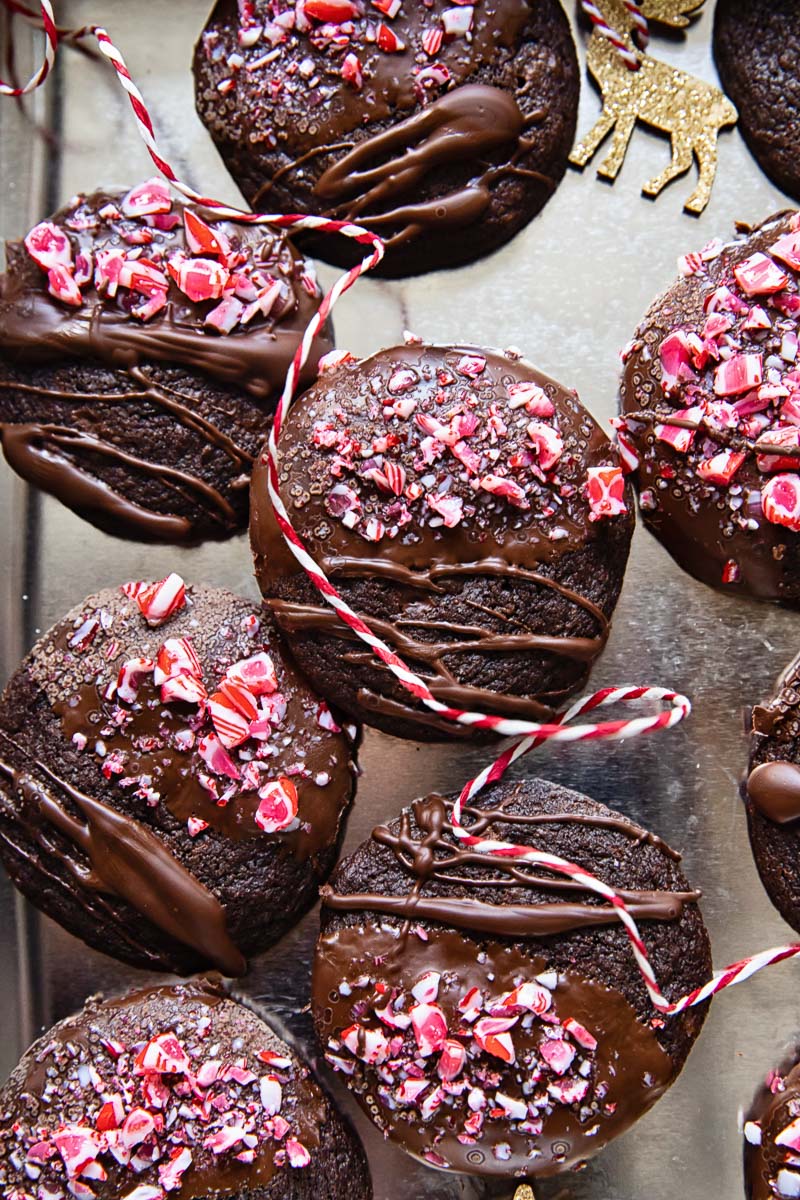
(671, 12)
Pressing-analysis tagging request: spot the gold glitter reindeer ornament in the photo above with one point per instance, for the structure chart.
(690, 110)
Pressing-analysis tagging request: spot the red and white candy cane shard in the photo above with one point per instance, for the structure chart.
(626, 53)
(50, 46)
(529, 734)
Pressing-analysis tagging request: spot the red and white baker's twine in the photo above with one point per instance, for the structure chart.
(628, 56)
(528, 734)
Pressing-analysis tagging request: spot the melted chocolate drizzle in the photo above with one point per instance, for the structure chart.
(461, 127)
(436, 853)
(294, 617)
(128, 861)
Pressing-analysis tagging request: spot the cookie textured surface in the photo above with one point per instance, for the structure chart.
(771, 1164)
(489, 1015)
(170, 789)
(710, 397)
(443, 129)
(172, 1091)
(143, 345)
(470, 509)
(757, 49)
(772, 794)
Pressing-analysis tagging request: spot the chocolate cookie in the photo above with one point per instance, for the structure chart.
(489, 1015)
(444, 129)
(772, 794)
(172, 1091)
(143, 345)
(710, 400)
(470, 509)
(772, 1137)
(757, 49)
(170, 789)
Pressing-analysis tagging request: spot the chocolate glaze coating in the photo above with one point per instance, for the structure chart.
(506, 609)
(99, 794)
(774, 1109)
(773, 804)
(446, 152)
(416, 861)
(757, 51)
(719, 533)
(146, 428)
(51, 1088)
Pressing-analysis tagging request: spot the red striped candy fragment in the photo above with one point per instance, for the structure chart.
(177, 656)
(78, 1146)
(185, 687)
(202, 239)
(232, 728)
(370, 1045)
(491, 1034)
(760, 276)
(256, 673)
(277, 809)
(780, 501)
(216, 757)
(171, 1173)
(241, 698)
(580, 1034)
(49, 246)
(199, 278)
(430, 1028)
(158, 601)
(739, 374)
(548, 443)
(787, 249)
(130, 677)
(63, 287)
(558, 1055)
(605, 491)
(150, 197)
(721, 468)
(163, 1054)
(332, 12)
(296, 1153)
(451, 1061)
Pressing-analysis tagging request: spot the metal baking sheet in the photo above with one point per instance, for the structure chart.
(568, 291)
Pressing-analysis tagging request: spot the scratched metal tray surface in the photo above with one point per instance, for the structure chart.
(567, 291)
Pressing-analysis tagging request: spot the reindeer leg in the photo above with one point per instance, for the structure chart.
(681, 162)
(585, 149)
(609, 168)
(706, 151)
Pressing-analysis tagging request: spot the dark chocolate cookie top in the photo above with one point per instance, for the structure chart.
(416, 120)
(489, 1012)
(710, 400)
(138, 277)
(153, 727)
(173, 1091)
(757, 50)
(772, 1137)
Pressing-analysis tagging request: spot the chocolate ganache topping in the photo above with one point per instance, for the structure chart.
(166, 741)
(467, 1031)
(174, 1090)
(710, 400)
(452, 495)
(772, 1137)
(198, 319)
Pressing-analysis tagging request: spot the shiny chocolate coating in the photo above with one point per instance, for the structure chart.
(487, 1013)
(147, 427)
(126, 820)
(719, 532)
(771, 793)
(153, 1087)
(501, 597)
(771, 1163)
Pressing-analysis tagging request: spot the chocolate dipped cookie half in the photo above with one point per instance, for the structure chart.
(470, 510)
(172, 1091)
(488, 1014)
(443, 129)
(143, 345)
(772, 793)
(171, 790)
(710, 404)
